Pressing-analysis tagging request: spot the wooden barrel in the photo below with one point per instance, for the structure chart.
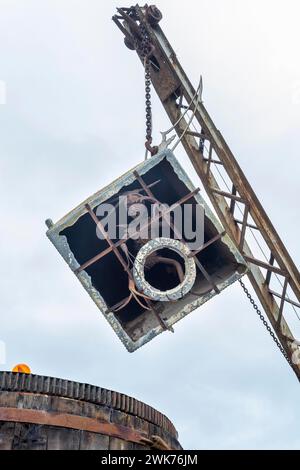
(46, 413)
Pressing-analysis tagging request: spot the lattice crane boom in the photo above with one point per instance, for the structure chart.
(209, 153)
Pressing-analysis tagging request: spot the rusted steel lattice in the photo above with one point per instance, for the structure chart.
(114, 247)
(139, 304)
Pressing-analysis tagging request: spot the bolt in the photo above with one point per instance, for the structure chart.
(49, 223)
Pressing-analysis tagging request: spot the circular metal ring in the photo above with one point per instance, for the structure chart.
(139, 270)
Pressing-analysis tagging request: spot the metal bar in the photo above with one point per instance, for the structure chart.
(207, 244)
(296, 304)
(181, 201)
(184, 199)
(121, 242)
(216, 162)
(202, 144)
(131, 23)
(197, 134)
(209, 160)
(244, 226)
(180, 103)
(144, 185)
(282, 301)
(115, 19)
(96, 258)
(229, 195)
(232, 204)
(70, 421)
(122, 261)
(248, 225)
(264, 265)
(109, 241)
(269, 273)
(207, 276)
(177, 234)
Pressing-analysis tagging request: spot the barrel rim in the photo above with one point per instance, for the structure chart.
(53, 386)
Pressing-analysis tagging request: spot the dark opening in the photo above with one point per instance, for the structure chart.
(108, 276)
(155, 64)
(161, 275)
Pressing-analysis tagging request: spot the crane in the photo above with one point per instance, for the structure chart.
(234, 200)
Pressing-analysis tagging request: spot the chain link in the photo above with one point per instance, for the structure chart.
(146, 49)
(265, 323)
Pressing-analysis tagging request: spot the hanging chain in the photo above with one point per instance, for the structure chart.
(266, 324)
(146, 49)
(148, 103)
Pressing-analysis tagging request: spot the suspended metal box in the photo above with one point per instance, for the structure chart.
(144, 287)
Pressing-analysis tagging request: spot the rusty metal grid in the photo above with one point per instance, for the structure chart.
(113, 247)
(61, 244)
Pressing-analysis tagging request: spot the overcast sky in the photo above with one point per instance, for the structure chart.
(73, 121)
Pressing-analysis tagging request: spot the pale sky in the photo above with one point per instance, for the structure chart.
(74, 121)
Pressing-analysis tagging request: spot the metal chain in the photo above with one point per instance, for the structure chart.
(148, 101)
(146, 49)
(266, 324)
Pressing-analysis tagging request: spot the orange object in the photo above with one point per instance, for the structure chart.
(22, 368)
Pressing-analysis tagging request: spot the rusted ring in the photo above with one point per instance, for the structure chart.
(139, 274)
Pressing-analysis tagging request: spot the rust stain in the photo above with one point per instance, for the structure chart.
(63, 420)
